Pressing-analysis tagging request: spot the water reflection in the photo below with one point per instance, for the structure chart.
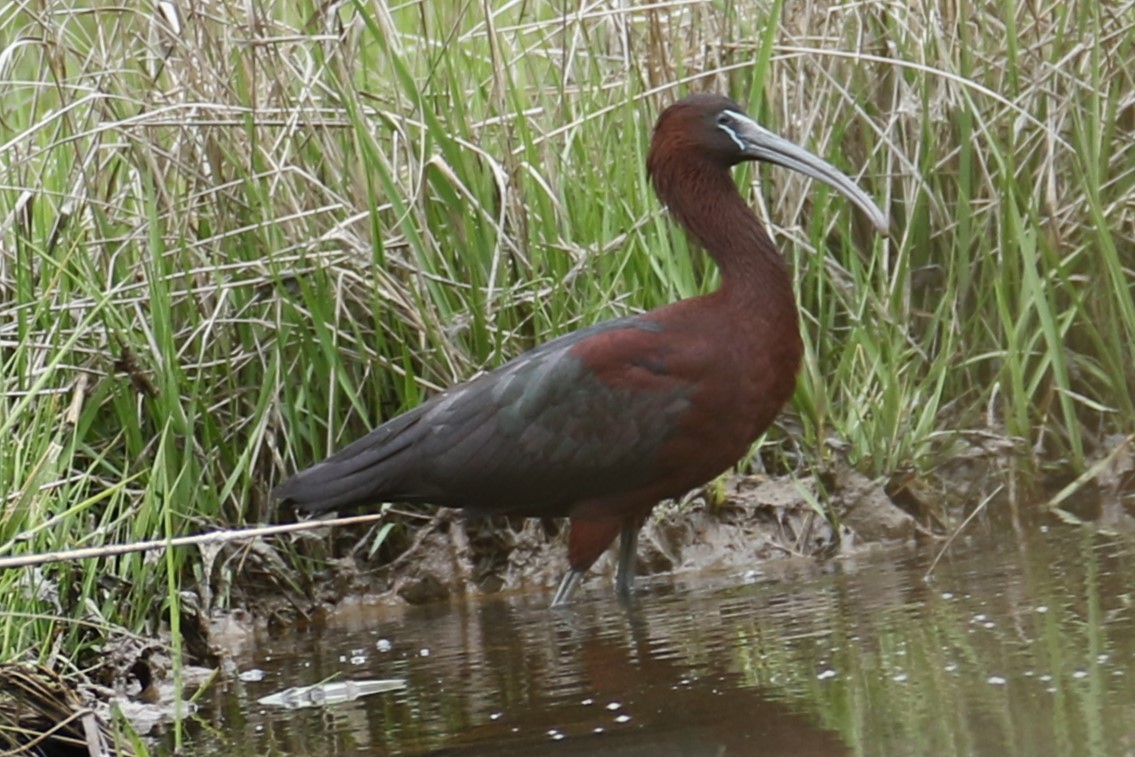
(1013, 648)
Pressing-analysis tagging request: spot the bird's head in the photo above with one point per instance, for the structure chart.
(713, 130)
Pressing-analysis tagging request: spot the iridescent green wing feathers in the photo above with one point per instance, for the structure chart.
(563, 423)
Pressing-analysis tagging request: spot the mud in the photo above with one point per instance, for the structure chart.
(748, 520)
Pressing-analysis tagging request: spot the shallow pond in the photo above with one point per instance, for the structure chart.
(1016, 646)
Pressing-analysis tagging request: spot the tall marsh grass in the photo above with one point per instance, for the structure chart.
(236, 236)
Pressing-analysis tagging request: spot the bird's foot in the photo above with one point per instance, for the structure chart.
(568, 585)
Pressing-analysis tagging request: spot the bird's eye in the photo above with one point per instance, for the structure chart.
(723, 119)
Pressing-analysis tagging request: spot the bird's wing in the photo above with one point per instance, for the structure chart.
(582, 416)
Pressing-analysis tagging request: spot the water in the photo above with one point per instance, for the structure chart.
(1016, 647)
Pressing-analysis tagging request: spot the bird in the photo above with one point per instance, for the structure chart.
(603, 423)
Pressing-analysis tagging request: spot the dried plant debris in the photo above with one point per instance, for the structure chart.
(46, 712)
(1105, 492)
(42, 713)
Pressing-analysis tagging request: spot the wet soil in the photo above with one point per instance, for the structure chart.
(747, 520)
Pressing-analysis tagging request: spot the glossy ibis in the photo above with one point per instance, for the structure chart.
(601, 424)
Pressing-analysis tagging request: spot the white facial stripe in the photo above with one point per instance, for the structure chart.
(733, 134)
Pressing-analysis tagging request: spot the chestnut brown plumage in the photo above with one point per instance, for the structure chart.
(603, 423)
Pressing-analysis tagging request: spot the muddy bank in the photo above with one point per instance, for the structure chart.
(741, 523)
(746, 521)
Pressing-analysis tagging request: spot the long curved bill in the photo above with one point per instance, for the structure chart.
(762, 144)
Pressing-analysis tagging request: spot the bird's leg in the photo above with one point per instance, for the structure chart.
(628, 555)
(568, 584)
(588, 539)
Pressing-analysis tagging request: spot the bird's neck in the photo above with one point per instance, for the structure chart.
(753, 273)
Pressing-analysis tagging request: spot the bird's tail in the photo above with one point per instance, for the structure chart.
(364, 472)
